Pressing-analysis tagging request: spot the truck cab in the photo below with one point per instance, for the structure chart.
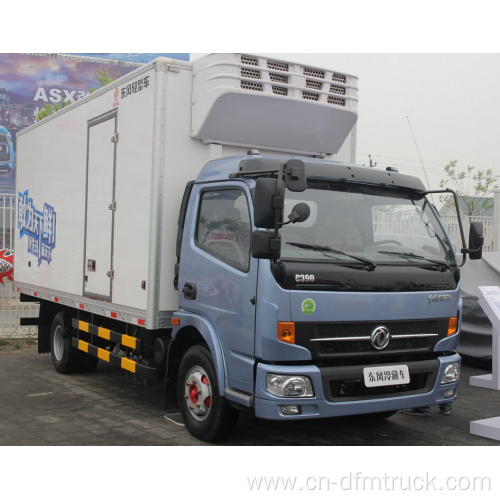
(337, 298)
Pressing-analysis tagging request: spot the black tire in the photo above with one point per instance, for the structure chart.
(65, 357)
(207, 415)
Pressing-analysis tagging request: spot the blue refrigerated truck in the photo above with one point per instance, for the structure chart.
(285, 280)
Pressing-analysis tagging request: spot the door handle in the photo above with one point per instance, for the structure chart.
(189, 291)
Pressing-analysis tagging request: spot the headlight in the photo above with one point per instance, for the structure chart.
(451, 373)
(289, 386)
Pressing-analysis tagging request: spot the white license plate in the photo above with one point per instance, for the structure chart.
(376, 376)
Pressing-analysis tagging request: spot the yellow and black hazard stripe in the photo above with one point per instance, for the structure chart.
(104, 333)
(115, 360)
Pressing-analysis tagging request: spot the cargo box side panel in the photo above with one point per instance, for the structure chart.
(133, 192)
(50, 182)
(53, 201)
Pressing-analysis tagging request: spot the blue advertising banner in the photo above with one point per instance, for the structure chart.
(28, 82)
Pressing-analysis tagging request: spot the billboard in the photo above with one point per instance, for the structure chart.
(28, 82)
(136, 57)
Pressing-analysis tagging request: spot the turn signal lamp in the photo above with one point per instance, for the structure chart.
(286, 332)
(452, 326)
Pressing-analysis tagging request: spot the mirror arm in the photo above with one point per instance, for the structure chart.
(464, 249)
(279, 202)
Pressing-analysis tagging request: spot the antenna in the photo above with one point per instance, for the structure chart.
(416, 145)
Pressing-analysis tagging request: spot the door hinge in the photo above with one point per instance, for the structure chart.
(115, 138)
(110, 274)
(112, 206)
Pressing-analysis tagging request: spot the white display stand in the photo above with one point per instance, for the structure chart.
(489, 300)
(488, 428)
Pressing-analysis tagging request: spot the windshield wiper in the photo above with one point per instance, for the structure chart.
(411, 255)
(324, 248)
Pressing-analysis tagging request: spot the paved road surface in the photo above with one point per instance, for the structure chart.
(41, 407)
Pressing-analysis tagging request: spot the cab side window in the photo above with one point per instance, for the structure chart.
(223, 227)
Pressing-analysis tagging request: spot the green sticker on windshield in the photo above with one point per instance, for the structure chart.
(308, 306)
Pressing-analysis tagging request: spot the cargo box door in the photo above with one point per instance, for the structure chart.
(100, 207)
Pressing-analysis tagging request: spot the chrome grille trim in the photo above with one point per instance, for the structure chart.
(410, 336)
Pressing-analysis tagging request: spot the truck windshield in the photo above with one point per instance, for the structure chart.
(352, 223)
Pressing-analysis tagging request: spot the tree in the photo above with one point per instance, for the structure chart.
(48, 109)
(103, 76)
(472, 187)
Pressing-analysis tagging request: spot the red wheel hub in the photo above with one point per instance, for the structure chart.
(193, 393)
(198, 393)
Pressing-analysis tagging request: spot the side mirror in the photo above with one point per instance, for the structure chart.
(265, 245)
(300, 213)
(266, 202)
(476, 240)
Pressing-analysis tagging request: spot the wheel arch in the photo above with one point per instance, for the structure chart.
(48, 311)
(194, 330)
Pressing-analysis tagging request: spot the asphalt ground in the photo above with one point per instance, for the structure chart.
(40, 407)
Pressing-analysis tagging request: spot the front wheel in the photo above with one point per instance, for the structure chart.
(207, 415)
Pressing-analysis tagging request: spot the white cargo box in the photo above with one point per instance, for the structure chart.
(100, 182)
(91, 184)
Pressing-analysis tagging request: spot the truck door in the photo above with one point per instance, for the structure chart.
(218, 277)
(101, 153)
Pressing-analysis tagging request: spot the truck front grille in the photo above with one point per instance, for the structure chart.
(336, 340)
(364, 346)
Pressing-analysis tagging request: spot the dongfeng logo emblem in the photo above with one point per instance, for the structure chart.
(380, 337)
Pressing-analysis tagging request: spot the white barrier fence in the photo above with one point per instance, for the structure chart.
(451, 225)
(11, 308)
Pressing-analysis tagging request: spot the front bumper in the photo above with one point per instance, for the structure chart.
(425, 389)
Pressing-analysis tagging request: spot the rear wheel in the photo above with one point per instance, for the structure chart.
(207, 415)
(65, 357)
